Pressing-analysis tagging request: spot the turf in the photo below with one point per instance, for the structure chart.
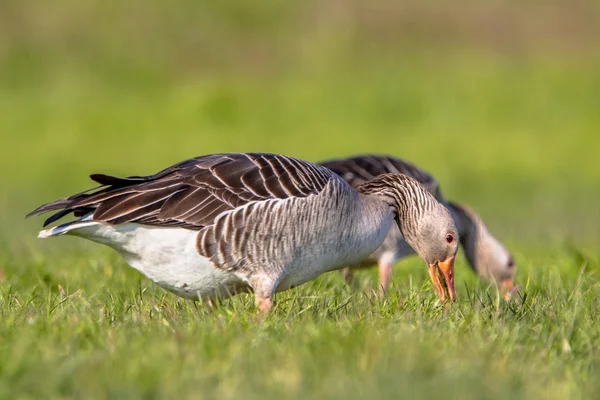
(81, 325)
(513, 135)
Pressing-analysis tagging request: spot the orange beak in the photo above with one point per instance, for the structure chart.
(507, 288)
(446, 268)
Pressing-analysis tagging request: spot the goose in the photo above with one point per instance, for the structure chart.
(487, 257)
(221, 224)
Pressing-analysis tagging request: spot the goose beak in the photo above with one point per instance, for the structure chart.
(446, 268)
(507, 288)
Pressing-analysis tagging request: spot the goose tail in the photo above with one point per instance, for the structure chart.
(66, 227)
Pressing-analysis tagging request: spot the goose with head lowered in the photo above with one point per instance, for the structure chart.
(219, 224)
(488, 258)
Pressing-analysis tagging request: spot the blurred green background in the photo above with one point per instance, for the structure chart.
(499, 100)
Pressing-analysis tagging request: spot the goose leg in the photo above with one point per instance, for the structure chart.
(385, 275)
(211, 304)
(348, 275)
(263, 304)
(263, 287)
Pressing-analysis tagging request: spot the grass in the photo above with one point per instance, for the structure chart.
(507, 123)
(77, 323)
(82, 325)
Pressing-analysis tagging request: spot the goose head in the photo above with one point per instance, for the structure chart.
(434, 237)
(485, 254)
(425, 224)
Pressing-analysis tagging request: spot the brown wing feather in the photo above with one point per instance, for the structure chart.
(359, 169)
(194, 192)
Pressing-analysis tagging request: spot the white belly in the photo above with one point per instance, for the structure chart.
(168, 257)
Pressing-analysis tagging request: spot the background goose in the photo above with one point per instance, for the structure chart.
(486, 256)
(218, 224)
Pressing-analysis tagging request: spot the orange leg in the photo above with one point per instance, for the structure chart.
(385, 275)
(264, 304)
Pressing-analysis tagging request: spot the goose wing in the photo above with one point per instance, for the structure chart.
(194, 192)
(359, 169)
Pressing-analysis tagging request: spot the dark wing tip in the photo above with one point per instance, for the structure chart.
(62, 203)
(102, 179)
(55, 205)
(109, 180)
(30, 213)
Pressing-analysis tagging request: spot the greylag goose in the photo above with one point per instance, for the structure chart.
(486, 256)
(219, 224)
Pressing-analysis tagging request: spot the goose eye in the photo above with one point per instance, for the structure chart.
(449, 238)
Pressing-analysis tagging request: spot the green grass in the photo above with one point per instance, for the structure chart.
(523, 155)
(507, 123)
(109, 333)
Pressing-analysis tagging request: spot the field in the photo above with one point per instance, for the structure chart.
(509, 126)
